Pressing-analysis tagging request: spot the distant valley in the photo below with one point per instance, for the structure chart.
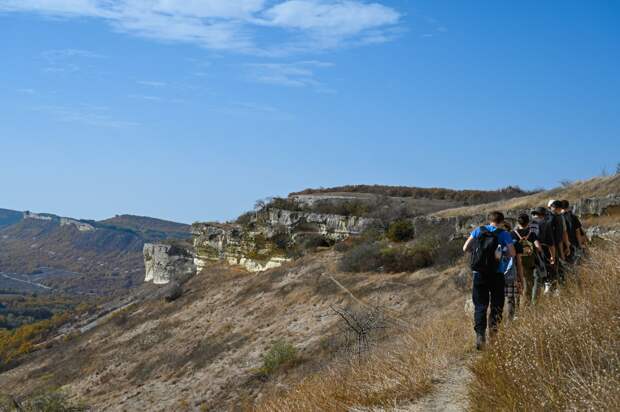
(41, 252)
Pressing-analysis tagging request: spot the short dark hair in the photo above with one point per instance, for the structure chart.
(556, 204)
(565, 204)
(523, 219)
(507, 225)
(496, 217)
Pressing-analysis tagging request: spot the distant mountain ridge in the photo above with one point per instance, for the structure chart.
(79, 255)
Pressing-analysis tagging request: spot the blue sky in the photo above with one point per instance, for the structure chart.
(193, 109)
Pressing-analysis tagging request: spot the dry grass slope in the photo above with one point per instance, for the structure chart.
(392, 374)
(595, 187)
(564, 354)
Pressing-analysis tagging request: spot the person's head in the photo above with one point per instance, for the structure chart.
(523, 220)
(496, 218)
(539, 212)
(565, 205)
(556, 206)
(506, 226)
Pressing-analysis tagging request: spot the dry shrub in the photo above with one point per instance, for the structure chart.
(399, 371)
(380, 256)
(564, 354)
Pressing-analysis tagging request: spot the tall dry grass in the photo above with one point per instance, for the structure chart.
(396, 372)
(564, 354)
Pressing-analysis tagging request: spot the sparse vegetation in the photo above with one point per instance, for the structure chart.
(47, 402)
(406, 259)
(280, 354)
(380, 256)
(564, 354)
(364, 257)
(403, 370)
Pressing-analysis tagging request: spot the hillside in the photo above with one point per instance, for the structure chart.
(78, 256)
(152, 228)
(595, 187)
(206, 348)
(389, 202)
(286, 338)
(9, 217)
(481, 196)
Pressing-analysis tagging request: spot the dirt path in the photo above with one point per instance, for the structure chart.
(449, 395)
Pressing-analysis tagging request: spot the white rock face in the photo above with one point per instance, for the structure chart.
(36, 216)
(164, 263)
(336, 227)
(81, 226)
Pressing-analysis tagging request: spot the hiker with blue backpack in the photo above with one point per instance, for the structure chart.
(486, 244)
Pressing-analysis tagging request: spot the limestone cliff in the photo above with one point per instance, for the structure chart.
(270, 237)
(164, 263)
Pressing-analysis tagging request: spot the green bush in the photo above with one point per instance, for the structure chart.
(281, 353)
(400, 231)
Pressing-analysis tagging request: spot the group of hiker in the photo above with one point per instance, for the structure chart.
(521, 262)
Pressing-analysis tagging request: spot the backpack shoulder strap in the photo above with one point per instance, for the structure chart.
(516, 232)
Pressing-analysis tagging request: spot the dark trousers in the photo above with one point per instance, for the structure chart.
(488, 289)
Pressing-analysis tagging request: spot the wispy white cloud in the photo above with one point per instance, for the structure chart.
(155, 99)
(86, 115)
(296, 74)
(60, 54)
(27, 91)
(254, 107)
(146, 97)
(152, 83)
(232, 24)
(66, 60)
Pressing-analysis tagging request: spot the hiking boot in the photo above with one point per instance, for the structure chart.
(480, 342)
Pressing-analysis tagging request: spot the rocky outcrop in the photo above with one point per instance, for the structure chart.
(255, 250)
(62, 221)
(598, 206)
(311, 200)
(334, 227)
(37, 216)
(164, 263)
(270, 237)
(81, 226)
